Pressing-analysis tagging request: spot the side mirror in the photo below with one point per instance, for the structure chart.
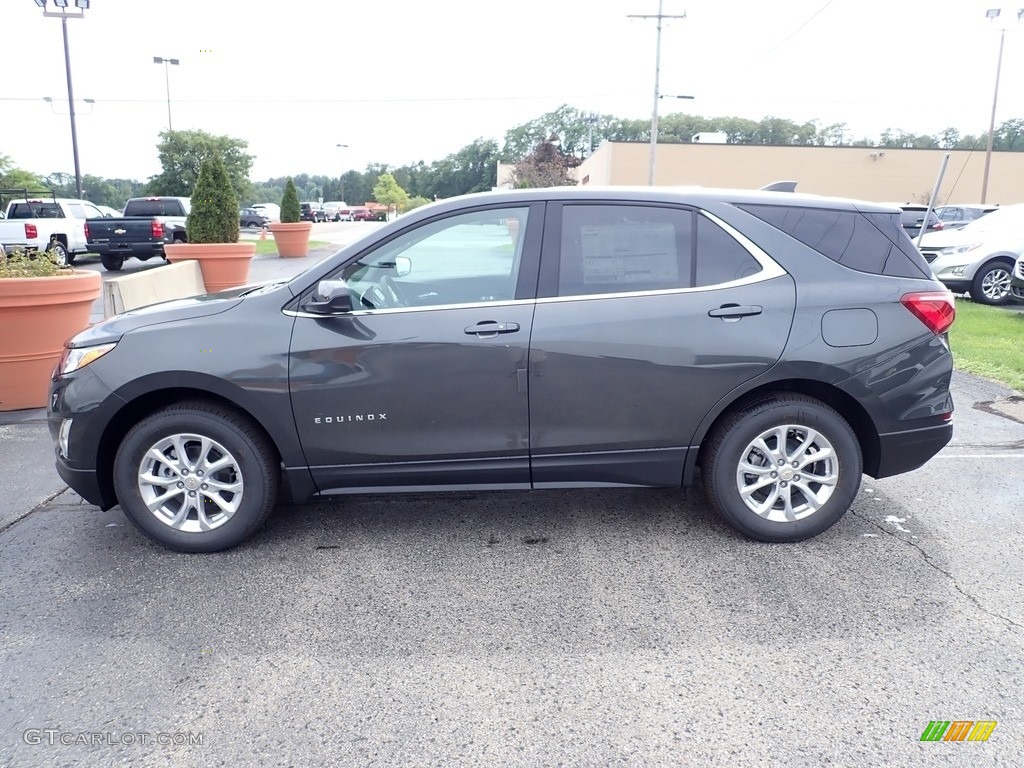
(403, 265)
(331, 297)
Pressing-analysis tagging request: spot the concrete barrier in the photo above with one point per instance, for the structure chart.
(173, 281)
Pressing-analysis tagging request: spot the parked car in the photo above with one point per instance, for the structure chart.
(363, 214)
(38, 223)
(271, 210)
(544, 338)
(913, 217)
(311, 212)
(345, 214)
(1017, 281)
(957, 216)
(979, 258)
(148, 224)
(333, 209)
(250, 218)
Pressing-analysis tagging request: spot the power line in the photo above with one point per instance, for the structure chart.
(792, 34)
(442, 99)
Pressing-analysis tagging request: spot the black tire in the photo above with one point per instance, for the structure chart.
(112, 263)
(732, 443)
(991, 284)
(253, 464)
(59, 251)
(252, 225)
(71, 258)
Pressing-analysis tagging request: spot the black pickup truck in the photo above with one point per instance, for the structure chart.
(147, 225)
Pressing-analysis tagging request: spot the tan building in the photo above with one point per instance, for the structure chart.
(865, 173)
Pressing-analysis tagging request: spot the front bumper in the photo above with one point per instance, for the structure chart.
(1017, 282)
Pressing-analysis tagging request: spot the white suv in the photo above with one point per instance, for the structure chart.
(979, 258)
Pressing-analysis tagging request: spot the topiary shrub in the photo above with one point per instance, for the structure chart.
(214, 215)
(290, 213)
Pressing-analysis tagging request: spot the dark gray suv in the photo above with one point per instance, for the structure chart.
(775, 345)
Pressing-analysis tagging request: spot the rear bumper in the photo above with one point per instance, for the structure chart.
(141, 251)
(906, 451)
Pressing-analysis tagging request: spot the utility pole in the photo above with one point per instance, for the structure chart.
(657, 73)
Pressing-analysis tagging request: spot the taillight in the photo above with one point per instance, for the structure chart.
(31, 232)
(87, 230)
(158, 228)
(934, 308)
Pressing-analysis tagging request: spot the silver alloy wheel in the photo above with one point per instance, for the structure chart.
(996, 284)
(787, 473)
(190, 483)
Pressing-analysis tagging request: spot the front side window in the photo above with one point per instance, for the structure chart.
(468, 258)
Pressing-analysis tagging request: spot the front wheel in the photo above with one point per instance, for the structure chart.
(196, 477)
(991, 284)
(784, 468)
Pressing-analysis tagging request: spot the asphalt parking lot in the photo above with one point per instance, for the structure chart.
(592, 628)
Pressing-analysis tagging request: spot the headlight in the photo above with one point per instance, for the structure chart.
(955, 249)
(959, 271)
(79, 357)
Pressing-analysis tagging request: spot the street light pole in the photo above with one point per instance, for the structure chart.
(63, 15)
(657, 74)
(992, 14)
(167, 80)
(71, 110)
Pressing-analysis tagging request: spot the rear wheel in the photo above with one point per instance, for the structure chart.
(991, 284)
(59, 253)
(784, 468)
(112, 263)
(196, 477)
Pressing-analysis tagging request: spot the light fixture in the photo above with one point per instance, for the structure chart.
(48, 98)
(82, 4)
(991, 13)
(61, 3)
(41, 3)
(1020, 14)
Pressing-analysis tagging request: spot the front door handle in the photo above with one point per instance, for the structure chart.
(735, 311)
(492, 328)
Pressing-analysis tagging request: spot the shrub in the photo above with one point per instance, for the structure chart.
(290, 213)
(21, 263)
(214, 216)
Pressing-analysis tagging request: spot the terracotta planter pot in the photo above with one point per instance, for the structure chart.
(292, 239)
(224, 265)
(40, 314)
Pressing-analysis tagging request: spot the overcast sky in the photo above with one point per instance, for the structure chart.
(407, 80)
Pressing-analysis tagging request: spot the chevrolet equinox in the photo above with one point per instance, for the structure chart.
(776, 346)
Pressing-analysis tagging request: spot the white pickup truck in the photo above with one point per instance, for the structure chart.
(38, 222)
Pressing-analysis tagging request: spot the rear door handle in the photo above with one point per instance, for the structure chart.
(735, 310)
(492, 328)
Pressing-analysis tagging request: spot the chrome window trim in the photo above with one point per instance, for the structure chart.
(405, 310)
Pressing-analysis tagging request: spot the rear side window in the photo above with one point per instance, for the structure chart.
(872, 242)
(34, 210)
(720, 259)
(621, 248)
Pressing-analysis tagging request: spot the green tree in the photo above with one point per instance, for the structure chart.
(181, 154)
(290, 212)
(415, 202)
(13, 177)
(214, 215)
(387, 192)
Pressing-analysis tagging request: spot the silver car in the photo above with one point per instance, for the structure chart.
(979, 258)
